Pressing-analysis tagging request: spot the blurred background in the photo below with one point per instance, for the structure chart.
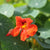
(38, 11)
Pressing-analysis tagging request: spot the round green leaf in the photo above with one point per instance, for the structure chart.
(46, 9)
(21, 9)
(44, 33)
(7, 10)
(47, 41)
(33, 13)
(36, 3)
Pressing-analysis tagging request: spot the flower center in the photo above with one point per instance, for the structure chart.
(24, 25)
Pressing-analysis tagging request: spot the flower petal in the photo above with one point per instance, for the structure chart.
(24, 35)
(15, 31)
(32, 30)
(28, 20)
(18, 21)
(35, 27)
(9, 33)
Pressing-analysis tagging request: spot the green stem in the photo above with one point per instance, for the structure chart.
(32, 45)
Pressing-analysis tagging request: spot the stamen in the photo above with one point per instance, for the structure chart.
(24, 25)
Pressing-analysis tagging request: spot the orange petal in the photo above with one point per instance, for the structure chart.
(9, 33)
(15, 31)
(35, 27)
(24, 35)
(32, 30)
(28, 20)
(18, 20)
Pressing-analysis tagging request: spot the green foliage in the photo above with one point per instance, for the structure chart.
(21, 9)
(47, 24)
(5, 25)
(7, 10)
(33, 13)
(36, 3)
(19, 4)
(0, 46)
(1, 2)
(46, 9)
(44, 33)
(37, 10)
(15, 44)
(47, 41)
(9, 43)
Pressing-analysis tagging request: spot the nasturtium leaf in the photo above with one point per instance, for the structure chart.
(9, 43)
(21, 9)
(14, 44)
(7, 10)
(5, 25)
(47, 41)
(36, 3)
(46, 9)
(47, 24)
(33, 13)
(44, 33)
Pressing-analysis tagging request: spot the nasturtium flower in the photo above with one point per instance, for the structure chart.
(24, 26)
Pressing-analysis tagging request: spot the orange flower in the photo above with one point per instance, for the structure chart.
(24, 25)
(21, 21)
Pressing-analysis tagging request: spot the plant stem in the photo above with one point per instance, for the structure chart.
(32, 45)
